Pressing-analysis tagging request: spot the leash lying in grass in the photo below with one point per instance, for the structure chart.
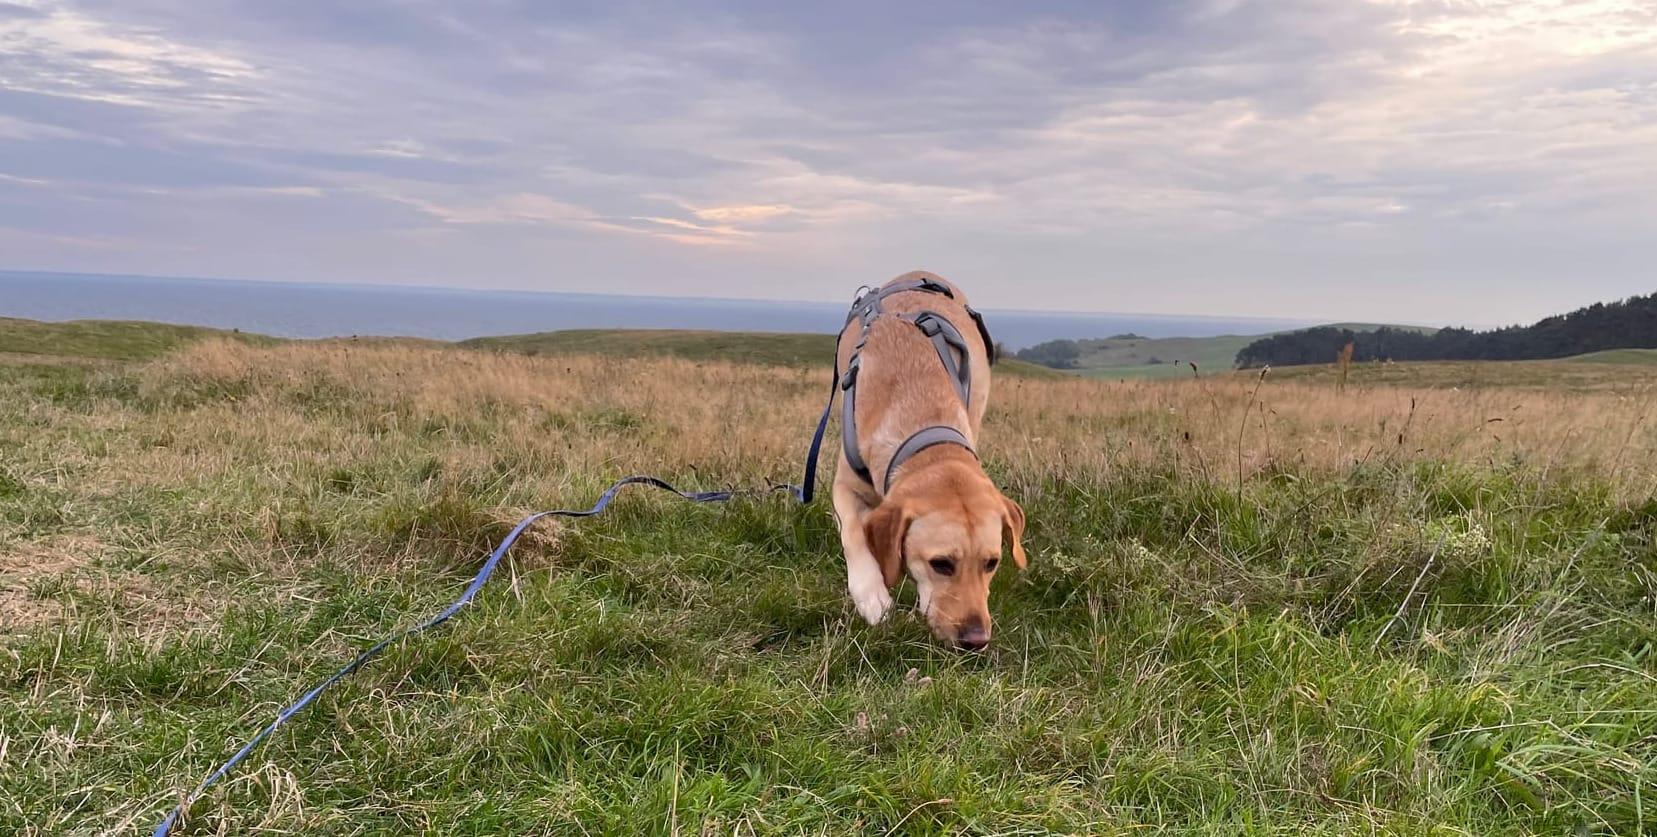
(803, 494)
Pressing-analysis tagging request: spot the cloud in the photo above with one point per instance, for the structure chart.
(521, 208)
(1085, 154)
(52, 49)
(12, 128)
(23, 181)
(541, 210)
(701, 233)
(751, 212)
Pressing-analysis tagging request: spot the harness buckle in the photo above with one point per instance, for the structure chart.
(849, 379)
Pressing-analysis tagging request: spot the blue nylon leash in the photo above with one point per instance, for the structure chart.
(801, 493)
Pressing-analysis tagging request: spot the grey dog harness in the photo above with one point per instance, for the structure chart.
(952, 352)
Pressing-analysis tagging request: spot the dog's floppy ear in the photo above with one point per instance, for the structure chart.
(885, 530)
(1012, 527)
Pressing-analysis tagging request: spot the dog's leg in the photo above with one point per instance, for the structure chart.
(863, 579)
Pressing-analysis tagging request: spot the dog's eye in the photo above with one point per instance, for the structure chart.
(942, 566)
(990, 565)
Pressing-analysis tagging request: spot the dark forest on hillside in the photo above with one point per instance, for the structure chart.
(1629, 324)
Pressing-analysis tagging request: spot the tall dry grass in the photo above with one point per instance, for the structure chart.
(743, 423)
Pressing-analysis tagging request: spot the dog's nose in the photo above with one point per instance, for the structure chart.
(973, 638)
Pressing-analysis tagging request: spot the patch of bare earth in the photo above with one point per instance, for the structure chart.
(25, 567)
(60, 579)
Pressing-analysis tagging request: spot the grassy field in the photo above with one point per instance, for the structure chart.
(1253, 606)
(776, 349)
(750, 347)
(1607, 372)
(1140, 358)
(1129, 358)
(1620, 356)
(111, 339)
(125, 340)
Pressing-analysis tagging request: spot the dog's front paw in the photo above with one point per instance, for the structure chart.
(872, 600)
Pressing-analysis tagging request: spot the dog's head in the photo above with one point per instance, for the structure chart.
(945, 526)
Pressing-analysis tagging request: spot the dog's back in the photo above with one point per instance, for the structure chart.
(901, 375)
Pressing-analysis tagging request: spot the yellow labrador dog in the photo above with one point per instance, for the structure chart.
(910, 494)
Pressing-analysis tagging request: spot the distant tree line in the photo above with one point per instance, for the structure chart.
(1629, 324)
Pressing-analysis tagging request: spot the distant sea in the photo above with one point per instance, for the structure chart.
(309, 309)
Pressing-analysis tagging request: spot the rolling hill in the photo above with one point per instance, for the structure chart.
(130, 340)
(1130, 356)
(753, 347)
(105, 339)
(778, 349)
(1629, 323)
(1640, 357)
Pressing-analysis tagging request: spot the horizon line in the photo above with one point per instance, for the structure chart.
(369, 285)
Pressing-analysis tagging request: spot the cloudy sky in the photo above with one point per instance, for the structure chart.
(1479, 161)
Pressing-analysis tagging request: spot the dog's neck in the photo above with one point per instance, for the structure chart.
(940, 463)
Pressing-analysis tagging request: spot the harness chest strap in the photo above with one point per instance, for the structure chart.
(937, 434)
